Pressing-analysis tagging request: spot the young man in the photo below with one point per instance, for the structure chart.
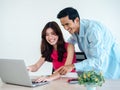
(95, 40)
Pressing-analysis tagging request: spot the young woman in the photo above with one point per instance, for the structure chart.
(53, 49)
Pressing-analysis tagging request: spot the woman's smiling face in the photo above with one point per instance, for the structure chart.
(51, 37)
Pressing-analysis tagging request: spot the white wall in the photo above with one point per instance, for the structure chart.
(21, 22)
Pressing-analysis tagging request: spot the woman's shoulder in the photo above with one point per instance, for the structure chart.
(67, 43)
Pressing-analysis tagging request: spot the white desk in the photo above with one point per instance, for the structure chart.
(61, 84)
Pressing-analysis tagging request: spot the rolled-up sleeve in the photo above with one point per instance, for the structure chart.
(72, 40)
(95, 52)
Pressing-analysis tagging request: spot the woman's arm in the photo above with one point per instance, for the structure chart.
(69, 60)
(37, 65)
(48, 78)
(70, 54)
(68, 64)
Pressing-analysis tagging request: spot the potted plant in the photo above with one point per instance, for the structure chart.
(91, 79)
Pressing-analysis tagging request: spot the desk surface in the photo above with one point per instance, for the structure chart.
(61, 84)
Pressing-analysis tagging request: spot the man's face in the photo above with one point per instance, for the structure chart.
(69, 25)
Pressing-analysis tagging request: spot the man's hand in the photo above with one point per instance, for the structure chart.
(65, 69)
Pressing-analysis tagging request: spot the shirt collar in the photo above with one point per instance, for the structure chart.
(82, 31)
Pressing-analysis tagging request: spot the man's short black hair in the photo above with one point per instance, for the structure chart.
(70, 12)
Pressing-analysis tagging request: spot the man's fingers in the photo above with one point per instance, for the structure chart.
(62, 71)
(57, 70)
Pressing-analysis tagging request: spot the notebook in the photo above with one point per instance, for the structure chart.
(75, 79)
(13, 71)
(80, 56)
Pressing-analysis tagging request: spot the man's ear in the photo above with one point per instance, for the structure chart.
(76, 20)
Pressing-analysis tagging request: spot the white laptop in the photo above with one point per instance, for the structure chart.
(15, 72)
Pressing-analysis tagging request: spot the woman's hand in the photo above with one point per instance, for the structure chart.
(32, 68)
(43, 79)
(48, 78)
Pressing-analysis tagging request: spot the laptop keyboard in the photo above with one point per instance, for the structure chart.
(40, 83)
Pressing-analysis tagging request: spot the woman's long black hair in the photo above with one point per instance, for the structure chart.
(46, 48)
